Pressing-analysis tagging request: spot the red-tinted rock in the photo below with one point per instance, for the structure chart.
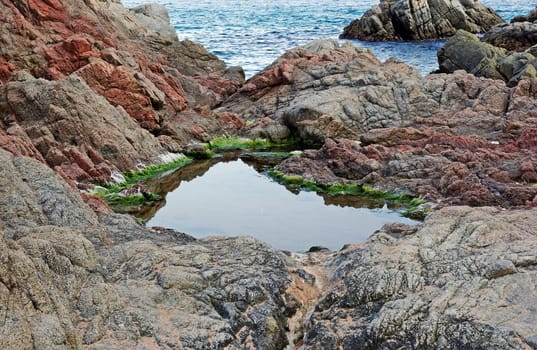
(96, 204)
(452, 169)
(121, 87)
(123, 57)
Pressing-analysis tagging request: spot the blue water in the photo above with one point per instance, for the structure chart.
(252, 34)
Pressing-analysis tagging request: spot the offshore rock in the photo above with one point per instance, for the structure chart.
(530, 17)
(517, 36)
(465, 51)
(465, 279)
(421, 19)
(74, 279)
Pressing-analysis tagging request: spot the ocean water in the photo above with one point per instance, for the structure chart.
(253, 33)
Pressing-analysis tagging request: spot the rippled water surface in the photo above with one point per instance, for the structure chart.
(252, 34)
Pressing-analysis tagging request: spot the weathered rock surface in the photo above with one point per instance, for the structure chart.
(421, 19)
(517, 36)
(465, 279)
(357, 93)
(449, 137)
(73, 279)
(466, 51)
(132, 58)
(438, 166)
(74, 128)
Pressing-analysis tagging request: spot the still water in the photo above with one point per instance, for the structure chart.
(232, 198)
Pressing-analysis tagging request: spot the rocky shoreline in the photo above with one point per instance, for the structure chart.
(90, 89)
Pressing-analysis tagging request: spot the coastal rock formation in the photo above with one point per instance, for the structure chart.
(466, 51)
(438, 166)
(123, 87)
(74, 279)
(421, 19)
(465, 279)
(517, 36)
(449, 137)
(358, 93)
(530, 17)
(74, 128)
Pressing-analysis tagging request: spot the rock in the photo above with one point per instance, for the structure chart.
(465, 51)
(155, 17)
(464, 279)
(132, 58)
(517, 36)
(421, 19)
(437, 166)
(72, 279)
(530, 17)
(448, 137)
(75, 128)
(323, 90)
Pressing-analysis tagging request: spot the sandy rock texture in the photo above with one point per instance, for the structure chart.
(421, 19)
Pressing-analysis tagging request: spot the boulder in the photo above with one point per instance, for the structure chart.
(466, 51)
(518, 36)
(421, 19)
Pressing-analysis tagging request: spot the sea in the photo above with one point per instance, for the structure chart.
(253, 33)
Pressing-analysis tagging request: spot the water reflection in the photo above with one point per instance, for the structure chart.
(231, 196)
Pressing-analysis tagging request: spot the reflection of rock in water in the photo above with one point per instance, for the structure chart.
(353, 201)
(262, 161)
(146, 212)
(169, 181)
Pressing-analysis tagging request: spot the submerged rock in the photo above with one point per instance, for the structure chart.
(421, 19)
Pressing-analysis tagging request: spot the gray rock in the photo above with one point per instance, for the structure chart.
(70, 279)
(155, 17)
(323, 90)
(465, 51)
(464, 279)
(421, 19)
(517, 36)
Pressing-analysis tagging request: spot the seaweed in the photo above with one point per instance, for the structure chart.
(414, 207)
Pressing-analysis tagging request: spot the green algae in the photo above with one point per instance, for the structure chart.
(413, 206)
(226, 143)
(110, 193)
